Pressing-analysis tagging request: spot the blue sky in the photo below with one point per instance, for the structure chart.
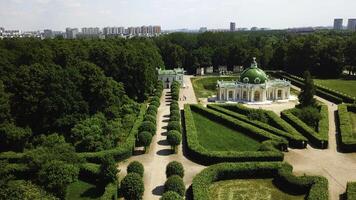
(172, 14)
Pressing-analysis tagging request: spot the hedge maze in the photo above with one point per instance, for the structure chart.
(312, 187)
(347, 124)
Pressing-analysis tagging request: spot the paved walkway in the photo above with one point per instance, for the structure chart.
(160, 155)
(338, 168)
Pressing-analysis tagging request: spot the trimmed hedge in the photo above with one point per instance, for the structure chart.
(174, 126)
(174, 168)
(90, 172)
(202, 155)
(122, 151)
(175, 87)
(319, 139)
(347, 138)
(295, 139)
(351, 191)
(135, 167)
(110, 192)
(175, 183)
(316, 188)
(147, 126)
(170, 195)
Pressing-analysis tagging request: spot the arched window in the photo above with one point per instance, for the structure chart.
(231, 95)
(279, 94)
(244, 95)
(256, 96)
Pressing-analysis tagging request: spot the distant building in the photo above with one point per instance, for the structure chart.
(47, 34)
(351, 24)
(232, 26)
(91, 31)
(71, 33)
(2, 29)
(209, 70)
(200, 71)
(110, 31)
(157, 29)
(238, 69)
(168, 76)
(338, 24)
(203, 29)
(254, 28)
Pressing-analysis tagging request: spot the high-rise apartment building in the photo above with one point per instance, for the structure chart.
(47, 33)
(156, 29)
(113, 31)
(232, 26)
(71, 33)
(351, 24)
(91, 31)
(338, 24)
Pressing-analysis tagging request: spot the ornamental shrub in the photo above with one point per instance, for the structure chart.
(170, 195)
(175, 183)
(155, 103)
(132, 187)
(174, 118)
(174, 168)
(174, 107)
(152, 108)
(135, 167)
(147, 126)
(108, 170)
(174, 138)
(145, 139)
(175, 112)
(151, 118)
(174, 125)
(155, 98)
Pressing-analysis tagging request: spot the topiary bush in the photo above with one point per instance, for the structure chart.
(174, 125)
(152, 110)
(174, 138)
(145, 139)
(174, 168)
(170, 195)
(135, 167)
(132, 187)
(150, 118)
(174, 118)
(147, 126)
(175, 183)
(175, 112)
(155, 103)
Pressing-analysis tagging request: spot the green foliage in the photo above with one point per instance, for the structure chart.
(108, 170)
(351, 190)
(147, 126)
(110, 192)
(309, 115)
(316, 187)
(57, 175)
(170, 195)
(257, 114)
(306, 96)
(145, 138)
(347, 136)
(295, 139)
(151, 118)
(174, 168)
(174, 125)
(175, 183)
(174, 138)
(4, 104)
(132, 187)
(175, 87)
(135, 167)
(201, 154)
(13, 138)
(20, 189)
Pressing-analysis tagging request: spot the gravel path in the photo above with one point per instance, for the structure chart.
(338, 168)
(159, 154)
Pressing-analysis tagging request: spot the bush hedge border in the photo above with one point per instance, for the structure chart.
(351, 191)
(202, 155)
(295, 139)
(318, 139)
(315, 187)
(347, 139)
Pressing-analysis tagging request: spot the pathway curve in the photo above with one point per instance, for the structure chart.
(159, 154)
(338, 168)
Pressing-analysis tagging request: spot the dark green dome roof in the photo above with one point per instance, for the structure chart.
(253, 75)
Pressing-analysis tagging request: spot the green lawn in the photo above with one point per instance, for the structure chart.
(353, 122)
(246, 189)
(205, 87)
(83, 191)
(344, 86)
(217, 137)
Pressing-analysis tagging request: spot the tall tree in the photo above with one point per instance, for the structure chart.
(306, 96)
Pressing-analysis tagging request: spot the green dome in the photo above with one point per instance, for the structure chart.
(253, 75)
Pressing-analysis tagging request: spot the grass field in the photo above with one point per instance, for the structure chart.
(217, 137)
(353, 122)
(82, 191)
(205, 87)
(249, 189)
(344, 86)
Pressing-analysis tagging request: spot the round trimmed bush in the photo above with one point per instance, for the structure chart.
(175, 112)
(132, 187)
(155, 103)
(175, 183)
(174, 138)
(151, 118)
(170, 195)
(174, 125)
(174, 118)
(145, 138)
(174, 107)
(153, 108)
(155, 98)
(174, 168)
(135, 167)
(151, 111)
(147, 126)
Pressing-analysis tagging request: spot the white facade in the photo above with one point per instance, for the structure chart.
(272, 90)
(169, 76)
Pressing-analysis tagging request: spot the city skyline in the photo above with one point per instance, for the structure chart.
(275, 14)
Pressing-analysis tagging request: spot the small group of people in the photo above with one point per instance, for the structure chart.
(184, 98)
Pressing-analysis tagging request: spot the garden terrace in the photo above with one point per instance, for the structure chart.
(347, 122)
(259, 174)
(295, 139)
(318, 138)
(267, 152)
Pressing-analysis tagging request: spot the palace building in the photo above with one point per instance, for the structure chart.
(168, 76)
(254, 86)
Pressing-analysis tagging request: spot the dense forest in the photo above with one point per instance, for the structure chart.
(62, 97)
(324, 54)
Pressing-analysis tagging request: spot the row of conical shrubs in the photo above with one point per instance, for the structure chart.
(174, 128)
(174, 188)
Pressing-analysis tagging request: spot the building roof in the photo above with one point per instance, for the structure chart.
(176, 71)
(253, 74)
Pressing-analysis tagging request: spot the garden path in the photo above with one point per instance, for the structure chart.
(160, 154)
(337, 167)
